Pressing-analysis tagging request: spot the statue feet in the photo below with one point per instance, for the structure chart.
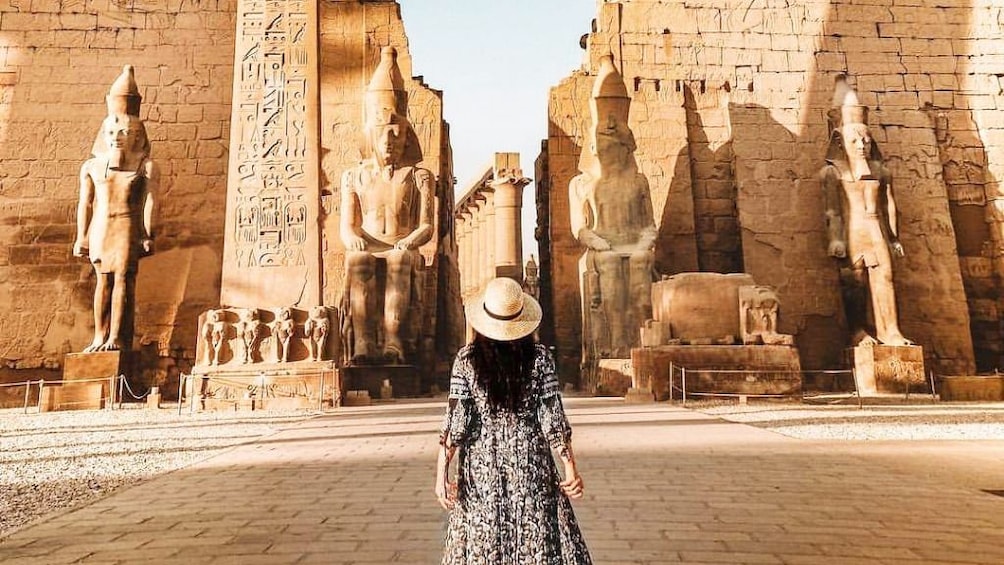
(110, 345)
(394, 354)
(862, 337)
(94, 346)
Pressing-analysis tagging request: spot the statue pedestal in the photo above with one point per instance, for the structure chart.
(404, 379)
(724, 369)
(888, 369)
(299, 385)
(92, 381)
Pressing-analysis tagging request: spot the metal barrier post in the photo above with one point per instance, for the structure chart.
(320, 393)
(683, 370)
(27, 391)
(672, 372)
(857, 389)
(121, 392)
(111, 392)
(934, 393)
(41, 383)
(182, 377)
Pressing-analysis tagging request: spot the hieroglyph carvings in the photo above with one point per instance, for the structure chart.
(273, 199)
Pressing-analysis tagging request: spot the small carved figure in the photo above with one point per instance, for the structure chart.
(531, 279)
(611, 215)
(283, 329)
(386, 215)
(758, 310)
(317, 328)
(214, 331)
(115, 213)
(861, 220)
(249, 330)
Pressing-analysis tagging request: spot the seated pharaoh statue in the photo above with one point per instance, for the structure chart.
(115, 213)
(387, 206)
(861, 219)
(611, 215)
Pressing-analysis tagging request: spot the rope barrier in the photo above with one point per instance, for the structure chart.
(130, 391)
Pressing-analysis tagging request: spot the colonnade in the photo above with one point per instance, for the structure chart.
(489, 226)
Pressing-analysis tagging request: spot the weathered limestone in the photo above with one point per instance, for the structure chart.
(387, 209)
(611, 215)
(115, 213)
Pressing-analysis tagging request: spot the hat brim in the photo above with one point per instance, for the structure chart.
(521, 326)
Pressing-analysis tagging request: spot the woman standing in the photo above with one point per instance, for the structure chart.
(509, 506)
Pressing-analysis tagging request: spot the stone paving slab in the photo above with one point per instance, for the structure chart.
(664, 485)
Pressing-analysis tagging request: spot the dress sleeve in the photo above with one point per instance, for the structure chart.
(550, 412)
(456, 428)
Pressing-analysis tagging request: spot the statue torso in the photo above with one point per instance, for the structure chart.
(617, 207)
(389, 206)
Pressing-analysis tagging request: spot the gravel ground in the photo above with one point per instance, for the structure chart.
(895, 422)
(60, 460)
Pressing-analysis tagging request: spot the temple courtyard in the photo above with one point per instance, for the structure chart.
(709, 483)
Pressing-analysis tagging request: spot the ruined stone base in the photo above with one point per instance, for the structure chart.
(97, 384)
(972, 388)
(614, 377)
(404, 380)
(639, 396)
(265, 386)
(888, 369)
(775, 369)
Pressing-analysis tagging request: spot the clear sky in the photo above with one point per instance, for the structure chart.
(495, 60)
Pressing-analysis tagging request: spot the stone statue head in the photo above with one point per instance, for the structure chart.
(123, 99)
(284, 313)
(319, 313)
(610, 138)
(213, 315)
(123, 133)
(390, 138)
(850, 139)
(249, 315)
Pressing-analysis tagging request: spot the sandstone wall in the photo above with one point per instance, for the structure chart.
(754, 82)
(57, 60)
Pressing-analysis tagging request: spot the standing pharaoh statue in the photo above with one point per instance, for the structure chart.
(115, 213)
(861, 220)
(611, 215)
(386, 214)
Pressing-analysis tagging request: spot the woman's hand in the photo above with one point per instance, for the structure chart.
(572, 486)
(446, 493)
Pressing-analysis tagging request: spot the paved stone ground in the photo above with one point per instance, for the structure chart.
(664, 485)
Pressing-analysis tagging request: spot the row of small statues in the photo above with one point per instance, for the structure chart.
(250, 332)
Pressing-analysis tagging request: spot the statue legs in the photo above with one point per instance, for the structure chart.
(362, 303)
(613, 295)
(113, 299)
(883, 299)
(397, 299)
(640, 265)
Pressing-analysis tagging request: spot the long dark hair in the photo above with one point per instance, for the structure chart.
(503, 369)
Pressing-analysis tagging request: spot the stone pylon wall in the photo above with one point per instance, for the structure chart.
(57, 61)
(742, 91)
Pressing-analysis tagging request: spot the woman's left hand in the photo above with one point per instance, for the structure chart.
(446, 493)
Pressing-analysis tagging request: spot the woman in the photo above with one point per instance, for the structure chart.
(509, 505)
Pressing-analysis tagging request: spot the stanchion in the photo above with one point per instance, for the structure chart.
(41, 383)
(182, 377)
(27, 391)
(320, 393)
(672, 373)
(684, 385)
(121, 392)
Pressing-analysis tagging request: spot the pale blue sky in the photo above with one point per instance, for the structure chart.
(495, 60)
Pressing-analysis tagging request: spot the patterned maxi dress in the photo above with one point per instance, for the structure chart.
(510, 509)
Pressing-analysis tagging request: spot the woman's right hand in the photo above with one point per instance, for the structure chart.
(572, 486)
(446, 493)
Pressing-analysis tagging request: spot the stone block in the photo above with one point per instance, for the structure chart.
(723, 369)
(972, 388)
(888, 369)
(404, 380)
(615, 377)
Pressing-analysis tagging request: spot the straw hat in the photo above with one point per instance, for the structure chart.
(504, 312)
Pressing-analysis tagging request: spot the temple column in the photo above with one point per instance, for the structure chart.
(509, 225)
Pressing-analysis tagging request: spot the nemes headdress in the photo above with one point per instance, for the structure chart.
(386, 102)
(124, 99)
